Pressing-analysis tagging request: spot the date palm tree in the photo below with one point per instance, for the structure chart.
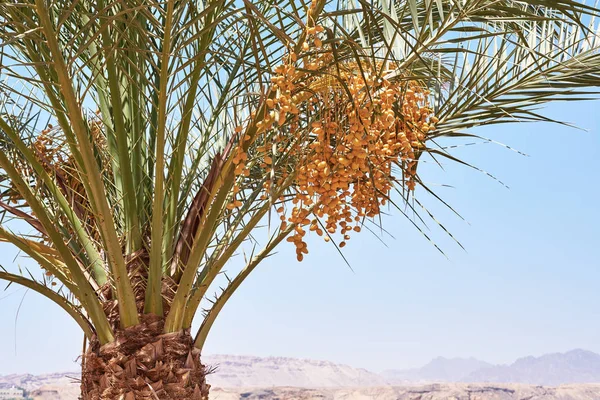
(144, 143)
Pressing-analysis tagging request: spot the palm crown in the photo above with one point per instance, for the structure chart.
(145, 142)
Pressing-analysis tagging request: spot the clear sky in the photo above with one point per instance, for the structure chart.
(527, 283)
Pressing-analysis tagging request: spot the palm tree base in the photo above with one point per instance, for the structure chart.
(144, 363)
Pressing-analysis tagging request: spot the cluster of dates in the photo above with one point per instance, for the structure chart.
(361, 126)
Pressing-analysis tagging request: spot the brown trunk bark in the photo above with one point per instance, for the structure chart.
(144, 364)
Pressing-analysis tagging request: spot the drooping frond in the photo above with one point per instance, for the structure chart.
(145, 143)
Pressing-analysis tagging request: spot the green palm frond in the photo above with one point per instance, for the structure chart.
(122, 124)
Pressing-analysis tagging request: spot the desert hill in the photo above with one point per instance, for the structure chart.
(571, 375)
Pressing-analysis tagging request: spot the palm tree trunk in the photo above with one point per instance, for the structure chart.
(144, 364)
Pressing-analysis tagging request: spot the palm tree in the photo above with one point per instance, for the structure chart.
(145, 143)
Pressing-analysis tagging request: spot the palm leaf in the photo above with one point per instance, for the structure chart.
(137, 197)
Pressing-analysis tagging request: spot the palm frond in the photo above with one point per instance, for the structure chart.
(148, 142)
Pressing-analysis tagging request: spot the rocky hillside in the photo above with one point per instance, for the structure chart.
(246, 371)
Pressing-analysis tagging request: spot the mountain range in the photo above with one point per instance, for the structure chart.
(248, 371)
(575, 366)
(439, 369)
(250, 374)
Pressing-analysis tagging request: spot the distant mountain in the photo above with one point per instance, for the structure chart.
(439, 369)
(575, 366)
(247, 371)
(230, 372)
(239, 371)
(254, 373)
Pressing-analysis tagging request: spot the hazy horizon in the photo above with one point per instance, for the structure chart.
(526, 284)
(210, 357)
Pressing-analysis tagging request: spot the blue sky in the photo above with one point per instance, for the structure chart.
(526, 284)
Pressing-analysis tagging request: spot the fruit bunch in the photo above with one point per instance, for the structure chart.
(54, 155)
(347, 126)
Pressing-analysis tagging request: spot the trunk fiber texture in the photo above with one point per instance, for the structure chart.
(143, 363)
